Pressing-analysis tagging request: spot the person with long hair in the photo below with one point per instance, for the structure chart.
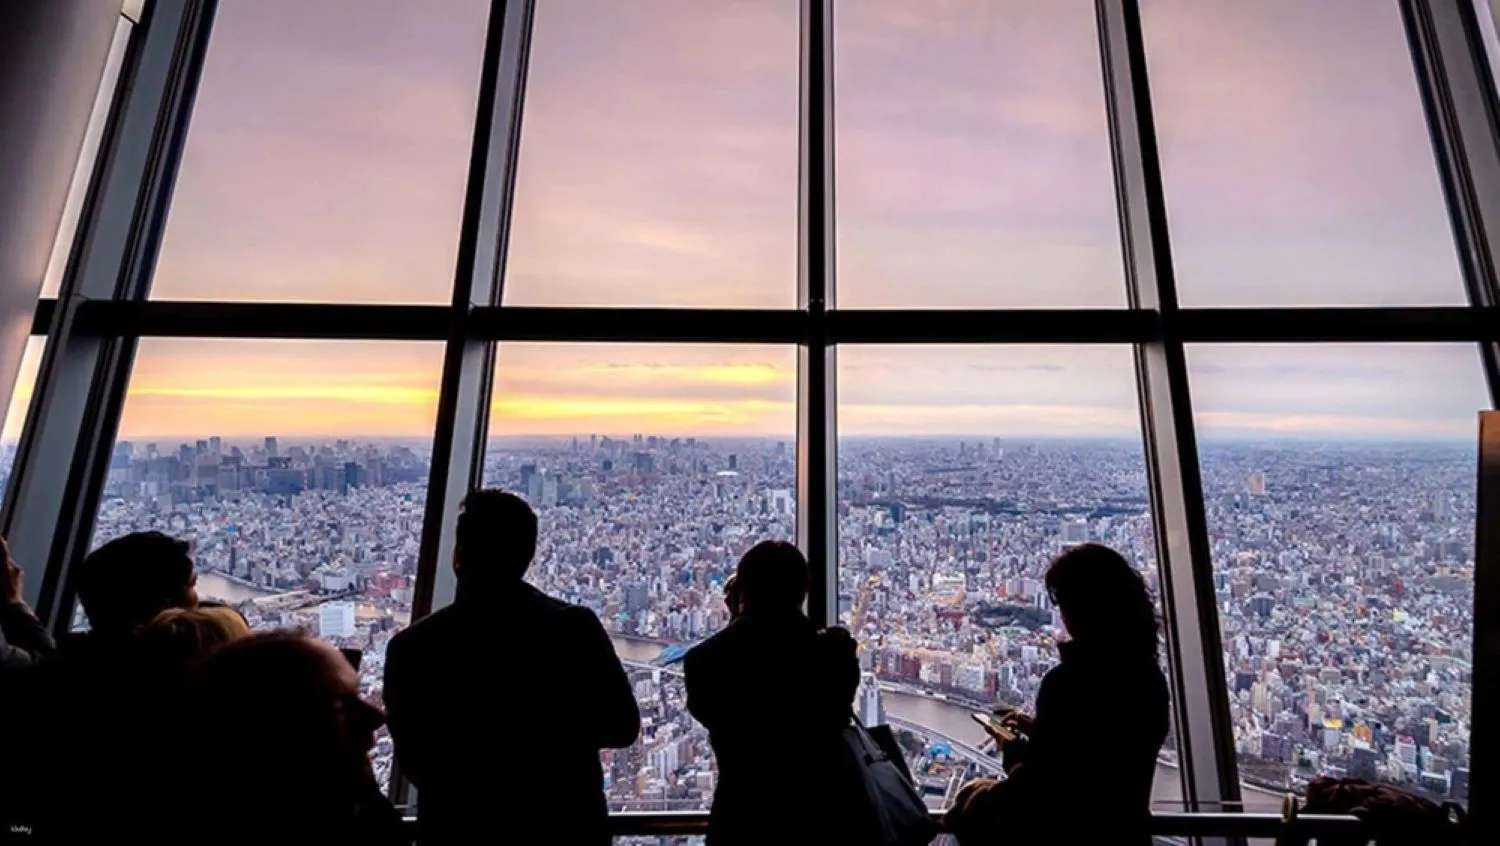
(1080, 769)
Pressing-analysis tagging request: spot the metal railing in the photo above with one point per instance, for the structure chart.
(1163, 823)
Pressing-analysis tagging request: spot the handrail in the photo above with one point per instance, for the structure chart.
(1164, 823)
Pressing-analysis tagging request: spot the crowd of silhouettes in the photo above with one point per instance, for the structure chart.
(169, 721)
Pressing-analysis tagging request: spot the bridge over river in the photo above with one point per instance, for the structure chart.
(950, 721)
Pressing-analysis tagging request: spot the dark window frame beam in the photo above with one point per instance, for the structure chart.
(49, 513)
(469, 359)
(1462, 107)
(1195, 655)
(343, 321)
(817, 356)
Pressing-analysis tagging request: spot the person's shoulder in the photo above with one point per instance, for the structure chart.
(724, 640)
(1062, 674)
(545, 603)
(574, 615)
(434, 625)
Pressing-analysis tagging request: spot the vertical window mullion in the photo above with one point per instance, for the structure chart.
(816, 428)
(1460, 100)
(63, 458)
(1205, 736)
(468, 362)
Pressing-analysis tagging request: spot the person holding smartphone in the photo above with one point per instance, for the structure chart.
(1081, 768)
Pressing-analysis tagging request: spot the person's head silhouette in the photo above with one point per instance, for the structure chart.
(296, 703)
(496, 540)
(1103, 600)
(128, 581)
(771, 578)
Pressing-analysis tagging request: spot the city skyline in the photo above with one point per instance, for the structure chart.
(1411, 392)
(1343, 578)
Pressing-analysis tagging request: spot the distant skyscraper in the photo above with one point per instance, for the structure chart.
(336, 619)
(867, 701)
(1075, 531)
(271, 447)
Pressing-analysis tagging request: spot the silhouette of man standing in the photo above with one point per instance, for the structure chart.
(775, 696)
(500, 703)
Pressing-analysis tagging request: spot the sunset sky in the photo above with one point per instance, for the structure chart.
(328, 150)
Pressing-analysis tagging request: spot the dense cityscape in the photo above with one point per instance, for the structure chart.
(1344, 574)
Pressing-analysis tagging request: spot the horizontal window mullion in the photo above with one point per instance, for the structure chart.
(1313, 325)
(645, 325)
(877, 326)
(845, 326)
(312, 321)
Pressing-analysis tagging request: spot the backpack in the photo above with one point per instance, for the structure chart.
(1396, 817)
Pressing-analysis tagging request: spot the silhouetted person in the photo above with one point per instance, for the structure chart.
(125, 583)
(500, 703)
(90, 703)
(290, 739)
(24, 642)
(23, 638)
(178, 638)
(775, 696)
(1082, 768)
(732, 597)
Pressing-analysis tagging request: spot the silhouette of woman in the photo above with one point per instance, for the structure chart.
(1080, 770)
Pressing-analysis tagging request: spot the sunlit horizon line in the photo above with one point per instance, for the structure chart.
(1270, 436)
(373, 394)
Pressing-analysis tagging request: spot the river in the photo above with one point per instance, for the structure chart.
(951, 720)
(944, 718)
(216, 586)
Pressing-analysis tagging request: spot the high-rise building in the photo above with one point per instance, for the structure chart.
(336, 619)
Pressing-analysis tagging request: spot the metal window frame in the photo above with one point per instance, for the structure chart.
(469, 362)
(1462, 106)
(94, 324)
(817, 364)
(1205, 736)
(64, 450)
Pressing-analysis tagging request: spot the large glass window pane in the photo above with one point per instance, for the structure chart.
(1339, 487)
(658, 162)
(1297, 162)
(973, 161)
(297, 471)
(962, 471)
(20, 402)
(652, 469)
(327, 154)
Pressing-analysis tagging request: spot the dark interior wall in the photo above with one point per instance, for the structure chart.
(52, 56)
